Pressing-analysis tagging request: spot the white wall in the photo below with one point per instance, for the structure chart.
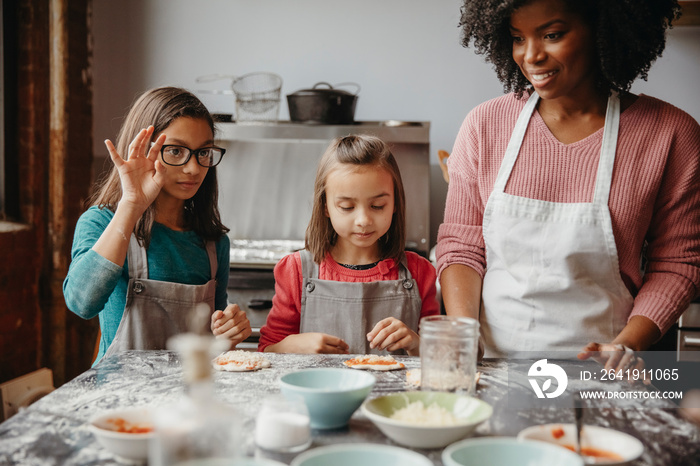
(405, 54)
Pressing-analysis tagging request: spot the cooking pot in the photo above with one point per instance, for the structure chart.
(323, 104)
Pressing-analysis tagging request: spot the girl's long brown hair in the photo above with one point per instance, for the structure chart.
(357, 150)
(160, 107)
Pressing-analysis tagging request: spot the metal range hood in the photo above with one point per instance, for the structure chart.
(266, 178)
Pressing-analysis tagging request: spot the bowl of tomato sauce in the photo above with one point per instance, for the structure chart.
(124, 432)
(599, 445)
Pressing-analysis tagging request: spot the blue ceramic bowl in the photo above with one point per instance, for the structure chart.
(497, 451)
(245, 461)
(361, 454)
(331, 395)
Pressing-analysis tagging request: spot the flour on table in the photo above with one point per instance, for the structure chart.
(413, 378)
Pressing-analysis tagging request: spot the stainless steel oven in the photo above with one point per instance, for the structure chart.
(266, 190)
(251, 282)
(689, 333)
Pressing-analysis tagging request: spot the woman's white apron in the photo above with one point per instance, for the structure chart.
(552, 280)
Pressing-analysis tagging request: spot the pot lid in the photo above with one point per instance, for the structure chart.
(328, 90)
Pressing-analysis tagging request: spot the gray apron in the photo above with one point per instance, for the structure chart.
(156, 310)
(350, 310)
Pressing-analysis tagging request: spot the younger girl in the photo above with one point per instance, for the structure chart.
(353, 289)
(152, 246)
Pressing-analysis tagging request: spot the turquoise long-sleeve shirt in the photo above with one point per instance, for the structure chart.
(95, 286)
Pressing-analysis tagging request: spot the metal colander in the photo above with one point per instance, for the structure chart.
(257, 96)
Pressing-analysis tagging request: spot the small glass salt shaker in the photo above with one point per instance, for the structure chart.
(283, 425)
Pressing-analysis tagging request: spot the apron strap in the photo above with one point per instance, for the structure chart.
(404, 273)
(608, 148)
(516, 140)
(137, 259)
(309, 268)
(213, 261)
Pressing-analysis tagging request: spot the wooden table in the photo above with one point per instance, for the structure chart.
(54, 431)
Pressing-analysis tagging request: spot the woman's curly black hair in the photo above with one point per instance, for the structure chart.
(630, 35)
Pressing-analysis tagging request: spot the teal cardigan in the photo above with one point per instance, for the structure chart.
(95, 286)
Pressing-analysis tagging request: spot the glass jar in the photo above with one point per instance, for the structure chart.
(448, 353)
(198, 426)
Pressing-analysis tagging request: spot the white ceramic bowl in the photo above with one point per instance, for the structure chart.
(469, 411)
(625, 446)
(331, 395)
(360, 454)
(244, 461)
(133, 446)
(501, 451)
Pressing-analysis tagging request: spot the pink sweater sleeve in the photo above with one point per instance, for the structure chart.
(460, 237)
(672, 276)
(285, 316)
(424, 273)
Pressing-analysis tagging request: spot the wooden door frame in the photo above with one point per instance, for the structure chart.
(48, 131)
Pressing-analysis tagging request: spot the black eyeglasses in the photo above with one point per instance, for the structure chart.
(179, 155)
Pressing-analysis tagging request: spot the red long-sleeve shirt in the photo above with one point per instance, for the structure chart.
(285, 315)
(655, 193)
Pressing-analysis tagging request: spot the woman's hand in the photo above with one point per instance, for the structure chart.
(141, 175)
(617, 357)
(231, 323)
(392, 335)
(690, 406)
(310, 343)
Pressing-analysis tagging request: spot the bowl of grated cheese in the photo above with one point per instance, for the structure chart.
(426, 419)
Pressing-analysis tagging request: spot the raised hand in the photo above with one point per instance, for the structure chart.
(141, 175)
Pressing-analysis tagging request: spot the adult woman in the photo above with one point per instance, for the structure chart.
(559, 189)
(152, 247)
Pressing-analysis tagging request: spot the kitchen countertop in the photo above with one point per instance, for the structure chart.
(54, 429)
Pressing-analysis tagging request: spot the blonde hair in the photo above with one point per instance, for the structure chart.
(359, 150)
(160, 107)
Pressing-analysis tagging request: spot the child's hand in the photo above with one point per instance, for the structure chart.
(231, 323)
(141, 175)
(392, 335)
(310, 343)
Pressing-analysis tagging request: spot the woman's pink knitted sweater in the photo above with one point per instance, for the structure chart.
(654, 199)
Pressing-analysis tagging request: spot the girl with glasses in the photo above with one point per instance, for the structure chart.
(152, 248)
